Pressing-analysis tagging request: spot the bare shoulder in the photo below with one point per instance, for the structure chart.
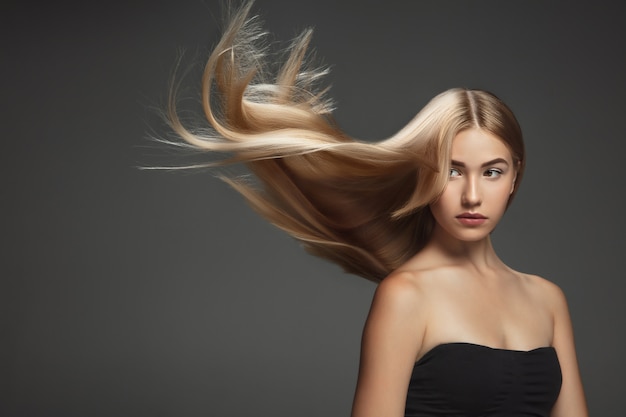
(401, 291)
(392, 337)
(550, 292)
(397, 317)
(571, 401)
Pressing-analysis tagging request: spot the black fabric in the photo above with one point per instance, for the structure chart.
(465, 379)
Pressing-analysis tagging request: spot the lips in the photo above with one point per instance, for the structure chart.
(471, 219)
(471, 216)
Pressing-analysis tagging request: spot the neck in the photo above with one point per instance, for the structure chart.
(479, 253)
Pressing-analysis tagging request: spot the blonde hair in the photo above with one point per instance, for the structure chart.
(361, 205)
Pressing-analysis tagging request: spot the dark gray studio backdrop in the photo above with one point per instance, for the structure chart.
(134, 293)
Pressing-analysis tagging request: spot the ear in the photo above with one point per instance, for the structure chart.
(515, 178)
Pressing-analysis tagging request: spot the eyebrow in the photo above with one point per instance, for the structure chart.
(492, 162)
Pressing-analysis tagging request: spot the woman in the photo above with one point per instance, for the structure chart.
(452, 330)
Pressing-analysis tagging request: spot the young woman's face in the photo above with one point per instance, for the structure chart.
(482, 177)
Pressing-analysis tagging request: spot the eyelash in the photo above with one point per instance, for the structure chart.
(493, 173)
(452, 171)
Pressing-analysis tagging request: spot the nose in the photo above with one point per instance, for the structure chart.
(471, 196)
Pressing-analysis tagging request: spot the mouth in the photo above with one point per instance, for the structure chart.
(471, 219)
(476, 216)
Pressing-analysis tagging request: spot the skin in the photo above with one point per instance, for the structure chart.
(457, 290)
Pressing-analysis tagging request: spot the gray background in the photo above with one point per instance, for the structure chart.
(135, 293)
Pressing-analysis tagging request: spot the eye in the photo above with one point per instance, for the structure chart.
(454, 173)
(493, 173)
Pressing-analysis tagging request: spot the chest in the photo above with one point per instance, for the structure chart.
(506, 316)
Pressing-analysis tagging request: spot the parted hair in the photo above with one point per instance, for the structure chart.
(363, 205)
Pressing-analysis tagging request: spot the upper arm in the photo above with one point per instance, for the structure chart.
(571, 401)
(391, 339)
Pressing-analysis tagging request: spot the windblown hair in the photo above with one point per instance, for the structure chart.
(364, 206)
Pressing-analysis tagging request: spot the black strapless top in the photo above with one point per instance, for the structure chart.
(465, 379)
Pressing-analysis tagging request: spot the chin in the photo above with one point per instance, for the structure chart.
(472, 235)
(472, 238)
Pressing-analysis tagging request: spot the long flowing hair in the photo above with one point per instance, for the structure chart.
(362, 205)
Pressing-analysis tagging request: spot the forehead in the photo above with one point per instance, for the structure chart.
(478, 145)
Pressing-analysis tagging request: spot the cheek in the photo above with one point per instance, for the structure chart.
(451, 196)
(444, 204)
(500, 195)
